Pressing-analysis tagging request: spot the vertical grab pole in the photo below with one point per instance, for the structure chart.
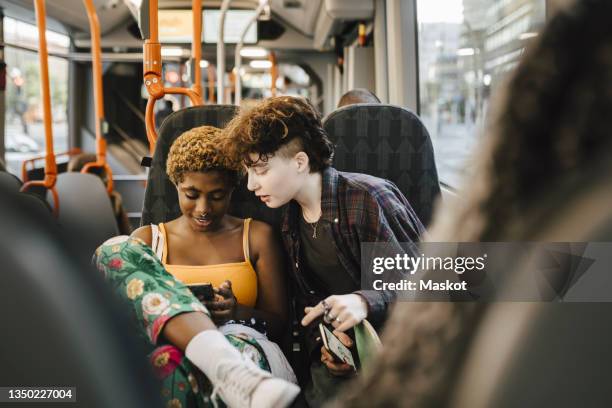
(101, 125)
(221, 52)
(238, 57)
(50, 164)
(196, 47)
(273, 72)
(152, 67)
(43, 57)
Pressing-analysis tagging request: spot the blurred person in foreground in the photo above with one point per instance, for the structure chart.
(550, 130)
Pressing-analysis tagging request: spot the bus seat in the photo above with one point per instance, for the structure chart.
(390, 142)
(10, 181)
(63, 326)
(161, 200)
(84, 204)
(38, 173)
(31, 201)
(547, 353)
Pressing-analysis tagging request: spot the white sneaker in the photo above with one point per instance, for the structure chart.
(241, 384)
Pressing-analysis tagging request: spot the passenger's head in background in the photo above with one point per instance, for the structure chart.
(204, 177)
(359, 95)
(281, 141)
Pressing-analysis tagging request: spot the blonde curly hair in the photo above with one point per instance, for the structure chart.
(197, 150)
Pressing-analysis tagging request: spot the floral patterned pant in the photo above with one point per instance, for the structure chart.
(154, 297)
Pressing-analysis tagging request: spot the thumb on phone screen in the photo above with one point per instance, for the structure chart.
(344, 338)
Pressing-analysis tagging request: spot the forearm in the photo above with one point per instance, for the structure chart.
(182, 328)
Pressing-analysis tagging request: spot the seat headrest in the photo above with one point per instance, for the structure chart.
(10, 181)
(161, 200)
(84, 204)
(390, 142)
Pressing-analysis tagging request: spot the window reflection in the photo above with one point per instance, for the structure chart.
(466, 47)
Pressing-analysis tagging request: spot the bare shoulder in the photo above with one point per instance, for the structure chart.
(262, 237)
(261, 230)
(144, 233)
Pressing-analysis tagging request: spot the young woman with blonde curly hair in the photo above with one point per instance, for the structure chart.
(155, 269)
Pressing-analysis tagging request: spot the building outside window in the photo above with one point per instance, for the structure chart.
(24, 136)
(466, 49)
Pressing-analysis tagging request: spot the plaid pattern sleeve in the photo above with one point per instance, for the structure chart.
(380, 213)
(360, 208)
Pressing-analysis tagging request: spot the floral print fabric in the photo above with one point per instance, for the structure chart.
(154, 297)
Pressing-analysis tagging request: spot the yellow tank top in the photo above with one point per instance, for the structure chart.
(241, 274)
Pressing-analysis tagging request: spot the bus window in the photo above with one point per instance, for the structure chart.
(24, 131)
(465, 49)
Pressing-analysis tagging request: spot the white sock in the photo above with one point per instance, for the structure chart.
(208, 347)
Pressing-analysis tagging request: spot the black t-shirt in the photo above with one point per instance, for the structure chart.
(324, 270)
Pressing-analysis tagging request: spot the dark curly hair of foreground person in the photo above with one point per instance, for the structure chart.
(552, 128)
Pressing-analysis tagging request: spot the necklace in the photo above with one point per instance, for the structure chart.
(314, 228)
(314, 225)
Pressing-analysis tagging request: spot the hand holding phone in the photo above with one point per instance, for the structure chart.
(220, 302)
(344, 361)
(204, 292)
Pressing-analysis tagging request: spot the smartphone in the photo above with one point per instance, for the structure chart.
(339, 351)
(203, 291)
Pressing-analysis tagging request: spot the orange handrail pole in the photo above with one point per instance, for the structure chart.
(150, 124)
(94, 26)
(43, 57)
(152, 69)
(273, 72)
(196, 48)
(152, 61)
(50, 165)
(193, 97)
(24, 165)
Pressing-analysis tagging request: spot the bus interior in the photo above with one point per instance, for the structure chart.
(122, 79)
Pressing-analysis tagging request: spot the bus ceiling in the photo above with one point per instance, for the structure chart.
(63, 16)
(302, 24)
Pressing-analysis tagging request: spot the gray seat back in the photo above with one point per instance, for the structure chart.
(10, 181)
(85, 204)
(63, 326)
(161, 199)
(390, 142)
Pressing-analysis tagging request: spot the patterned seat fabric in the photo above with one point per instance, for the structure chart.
(390, 142)
(161, 199)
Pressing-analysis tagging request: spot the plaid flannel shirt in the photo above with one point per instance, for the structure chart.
(360, 208)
